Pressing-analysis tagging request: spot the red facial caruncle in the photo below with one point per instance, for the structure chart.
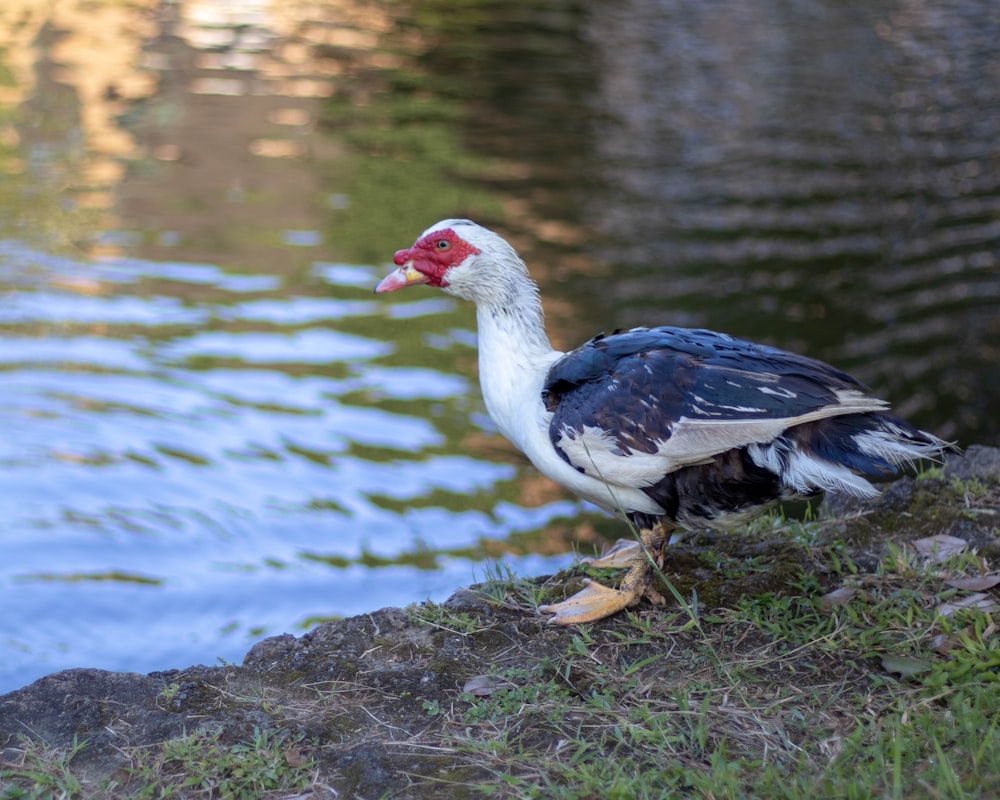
(428, 260)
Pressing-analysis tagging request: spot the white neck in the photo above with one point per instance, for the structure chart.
(514, 356)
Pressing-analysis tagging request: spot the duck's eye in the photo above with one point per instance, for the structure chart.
(442, 244)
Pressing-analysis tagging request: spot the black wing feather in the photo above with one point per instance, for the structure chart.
(636, 385)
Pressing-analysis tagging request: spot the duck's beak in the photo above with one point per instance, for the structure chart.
(406, 275)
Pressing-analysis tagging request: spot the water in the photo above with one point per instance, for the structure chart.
(195, 458)
(213, 431)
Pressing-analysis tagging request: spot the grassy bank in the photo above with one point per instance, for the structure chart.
(870, 669)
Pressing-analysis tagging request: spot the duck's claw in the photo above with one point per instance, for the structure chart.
(596, 601)
(593, 602)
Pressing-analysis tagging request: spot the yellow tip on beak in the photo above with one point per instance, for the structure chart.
(406, 275)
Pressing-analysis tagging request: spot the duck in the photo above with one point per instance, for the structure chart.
(671, 429)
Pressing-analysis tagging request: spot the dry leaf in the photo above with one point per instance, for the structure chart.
(481, 686)
(940, 547)
(294, 756)
(981, 601)
(979, 584)
(838, 597)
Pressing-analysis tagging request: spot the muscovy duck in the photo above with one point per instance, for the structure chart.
(667, 427)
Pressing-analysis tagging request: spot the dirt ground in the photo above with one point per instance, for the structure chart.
(375, 703)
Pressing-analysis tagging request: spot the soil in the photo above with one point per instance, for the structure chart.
(362, 694)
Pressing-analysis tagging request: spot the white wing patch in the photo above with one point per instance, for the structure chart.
(695, 441)
(710, 409)
(780, 392)
(598, 453)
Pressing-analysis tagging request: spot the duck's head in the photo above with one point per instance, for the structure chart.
(461, 258)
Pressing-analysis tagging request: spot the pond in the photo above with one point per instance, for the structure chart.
(213, 431)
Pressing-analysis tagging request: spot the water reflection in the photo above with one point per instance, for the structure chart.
(214, 431)
(225, 469)
(824, 179)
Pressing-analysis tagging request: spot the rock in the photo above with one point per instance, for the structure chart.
(976, 462)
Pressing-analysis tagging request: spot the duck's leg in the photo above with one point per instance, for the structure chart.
(596, 601)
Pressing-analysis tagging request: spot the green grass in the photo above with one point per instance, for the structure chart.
(200, 765)
(42, 773)
(781, 696)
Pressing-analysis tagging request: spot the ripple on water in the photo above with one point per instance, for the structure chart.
(196, 457)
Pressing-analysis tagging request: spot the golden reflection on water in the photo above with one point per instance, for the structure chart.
(151, 113)
(252, 134)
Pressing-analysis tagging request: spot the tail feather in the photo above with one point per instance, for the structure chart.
(899, 444)
(845, 454)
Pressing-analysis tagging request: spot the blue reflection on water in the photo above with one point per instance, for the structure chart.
(194, 458)
(299, 310)
(314, 346)
(64, 307)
